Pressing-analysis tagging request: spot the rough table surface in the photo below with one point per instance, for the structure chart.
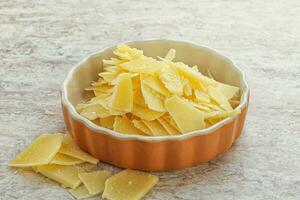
(41, 41)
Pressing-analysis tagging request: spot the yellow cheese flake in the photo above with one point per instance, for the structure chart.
(80, 192)
(156, 128)
(218, 96)
(155, 84)
(94, 181)
(66, 175)
(70, 148)
(228, 90)
(40, 152)
(201, 96)
(171, 80)
(61, 159)
(184, 114)
(124, 125)
(102, 88)
(170, 55)
(142, 65)
(142, 126)
(122, 98)
(129, 185)
(168, 127)
(153, 101)
(145, 113)
(108, 76)
(221, 114)
(169, 120)
(107, 122)
(92, 111)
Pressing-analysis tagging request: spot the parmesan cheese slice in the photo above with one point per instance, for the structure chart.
(70, 148)
(184, 114)
(145, 113)
(171, 80)
(168, 127)
(40, 152)
(107, 122)
(122, 98)
(142, 65)
(170, 55)
(124, 125)
(228, 90)
(142, 126)
(129, 185)
(66, 175)
(217, 96)
(94, 181)
(80, 192)
(153, 101)
(155, 84)
(156, 128)
(61, 159)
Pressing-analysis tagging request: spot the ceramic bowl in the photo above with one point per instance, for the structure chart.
(154, 153)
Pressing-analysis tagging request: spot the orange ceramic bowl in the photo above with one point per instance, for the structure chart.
(154, 153)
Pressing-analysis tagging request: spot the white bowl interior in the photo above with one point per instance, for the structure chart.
(205, 58)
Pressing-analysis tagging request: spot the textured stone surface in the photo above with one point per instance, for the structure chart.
(41, 41)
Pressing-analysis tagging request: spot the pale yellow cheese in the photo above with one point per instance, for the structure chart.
(221, 114)
(65, 175)
(94, 181)
(39, 152)
(228, 90)
(122, 98)
(145, 113)
(169, 119)
(194, 77)
(155, 84)
(107, 122)
(93, 110)
(80, 192)
(168, 127)
(138, 97)
(156, 128)
(108, 76)
(184, 114)
(102, 88)
(128, 185)
(61, 159)
(153, 101)
(170, 55)
(144, 65)
(201, 96)
(171, 80)
(70, 148)
(218, 96)
(124, 125)
(142, 126)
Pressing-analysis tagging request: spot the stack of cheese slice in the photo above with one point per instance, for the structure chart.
(136, 94)
(57, 157)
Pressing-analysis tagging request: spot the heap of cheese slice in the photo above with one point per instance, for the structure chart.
(57, 157)
(136, 94)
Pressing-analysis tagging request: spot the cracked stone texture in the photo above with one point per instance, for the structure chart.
(41, 41)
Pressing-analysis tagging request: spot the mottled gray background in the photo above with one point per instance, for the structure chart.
(41, 41)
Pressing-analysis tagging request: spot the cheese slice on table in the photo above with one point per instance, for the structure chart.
(168, 127)
(81, 192)
(218, 97)
(142, 126)
(107, 122)
(145, 113)
(184, 114)
(70, 148)
(129, 185)
(40, 152)
(124, 125)
(66, 175)
(156, 128)
(94, 181)
(153, 101)
(61, 159)
(122, 98)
